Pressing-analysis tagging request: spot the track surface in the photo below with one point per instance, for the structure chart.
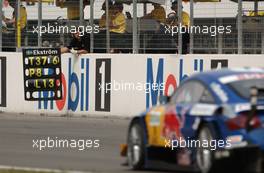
(18, 131)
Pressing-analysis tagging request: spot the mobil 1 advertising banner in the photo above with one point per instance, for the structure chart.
(125, 85)
(100, 84)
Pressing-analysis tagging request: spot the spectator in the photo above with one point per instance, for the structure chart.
(172, 19)
(185, 22)
(4, 27)
(102, 20)
(118, 22)
(162, 42)
(13, 23)
(9, 37)
(78, 45)
(23, 16)
(258, 13)
(73, 9)
(117, 26)
(158, 13)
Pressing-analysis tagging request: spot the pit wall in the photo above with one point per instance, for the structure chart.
(129, 74)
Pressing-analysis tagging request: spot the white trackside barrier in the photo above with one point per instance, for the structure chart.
(110, 84)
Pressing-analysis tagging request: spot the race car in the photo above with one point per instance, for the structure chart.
(213, 121)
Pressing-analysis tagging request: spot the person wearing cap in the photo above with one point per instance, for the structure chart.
(158, 13)
(185, 15)
(185, 22)
(78, 45)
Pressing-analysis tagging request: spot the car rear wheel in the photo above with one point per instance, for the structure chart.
(204, 155)
(135, 150)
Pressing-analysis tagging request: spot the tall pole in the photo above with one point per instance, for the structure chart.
(107, 26)
(239, 28)
(256, 7)
(145, 9)
(220, 38)
(81, 13)
(1, 25)
(180, 22)
(262, 37)
(191, 24)
(135, 28)
(39, 22)
(18, 27)
(262, 41)
(92, 24)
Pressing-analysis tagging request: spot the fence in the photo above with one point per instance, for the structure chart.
(241, 29)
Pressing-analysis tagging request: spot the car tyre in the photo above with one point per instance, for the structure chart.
(136, 146)
(204, 155)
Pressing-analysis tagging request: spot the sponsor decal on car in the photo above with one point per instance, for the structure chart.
(154, 118)
(201, 109)
(242, 107)
(219, 91)
(247, 76)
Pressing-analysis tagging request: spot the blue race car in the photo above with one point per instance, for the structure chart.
(214, 121)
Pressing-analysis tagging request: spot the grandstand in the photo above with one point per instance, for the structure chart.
(245, 18)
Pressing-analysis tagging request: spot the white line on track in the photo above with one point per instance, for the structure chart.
(5, 167)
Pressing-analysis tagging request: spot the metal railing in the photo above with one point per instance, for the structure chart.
(142, 35)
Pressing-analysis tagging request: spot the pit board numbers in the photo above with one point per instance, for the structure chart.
(42, 74)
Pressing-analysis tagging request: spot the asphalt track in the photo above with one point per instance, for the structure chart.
(17, 133)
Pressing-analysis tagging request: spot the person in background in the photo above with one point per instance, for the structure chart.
(102, 20)
(158, 13)
(117, 25)
(23, 16)
(117, 28)
(118, 22)
(11, 23)
(4, 26)
(78, 45)
(73, 8)
(161, 42)
(258, 13)
(185, 22)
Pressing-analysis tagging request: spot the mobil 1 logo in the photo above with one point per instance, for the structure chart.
(42, 72)
(102, 80)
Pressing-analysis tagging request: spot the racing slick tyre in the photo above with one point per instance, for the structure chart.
(204, 155)
(135, 150)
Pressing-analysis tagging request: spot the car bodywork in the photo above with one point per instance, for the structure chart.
(206, 99)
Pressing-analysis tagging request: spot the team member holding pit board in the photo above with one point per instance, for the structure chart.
(78, 45)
